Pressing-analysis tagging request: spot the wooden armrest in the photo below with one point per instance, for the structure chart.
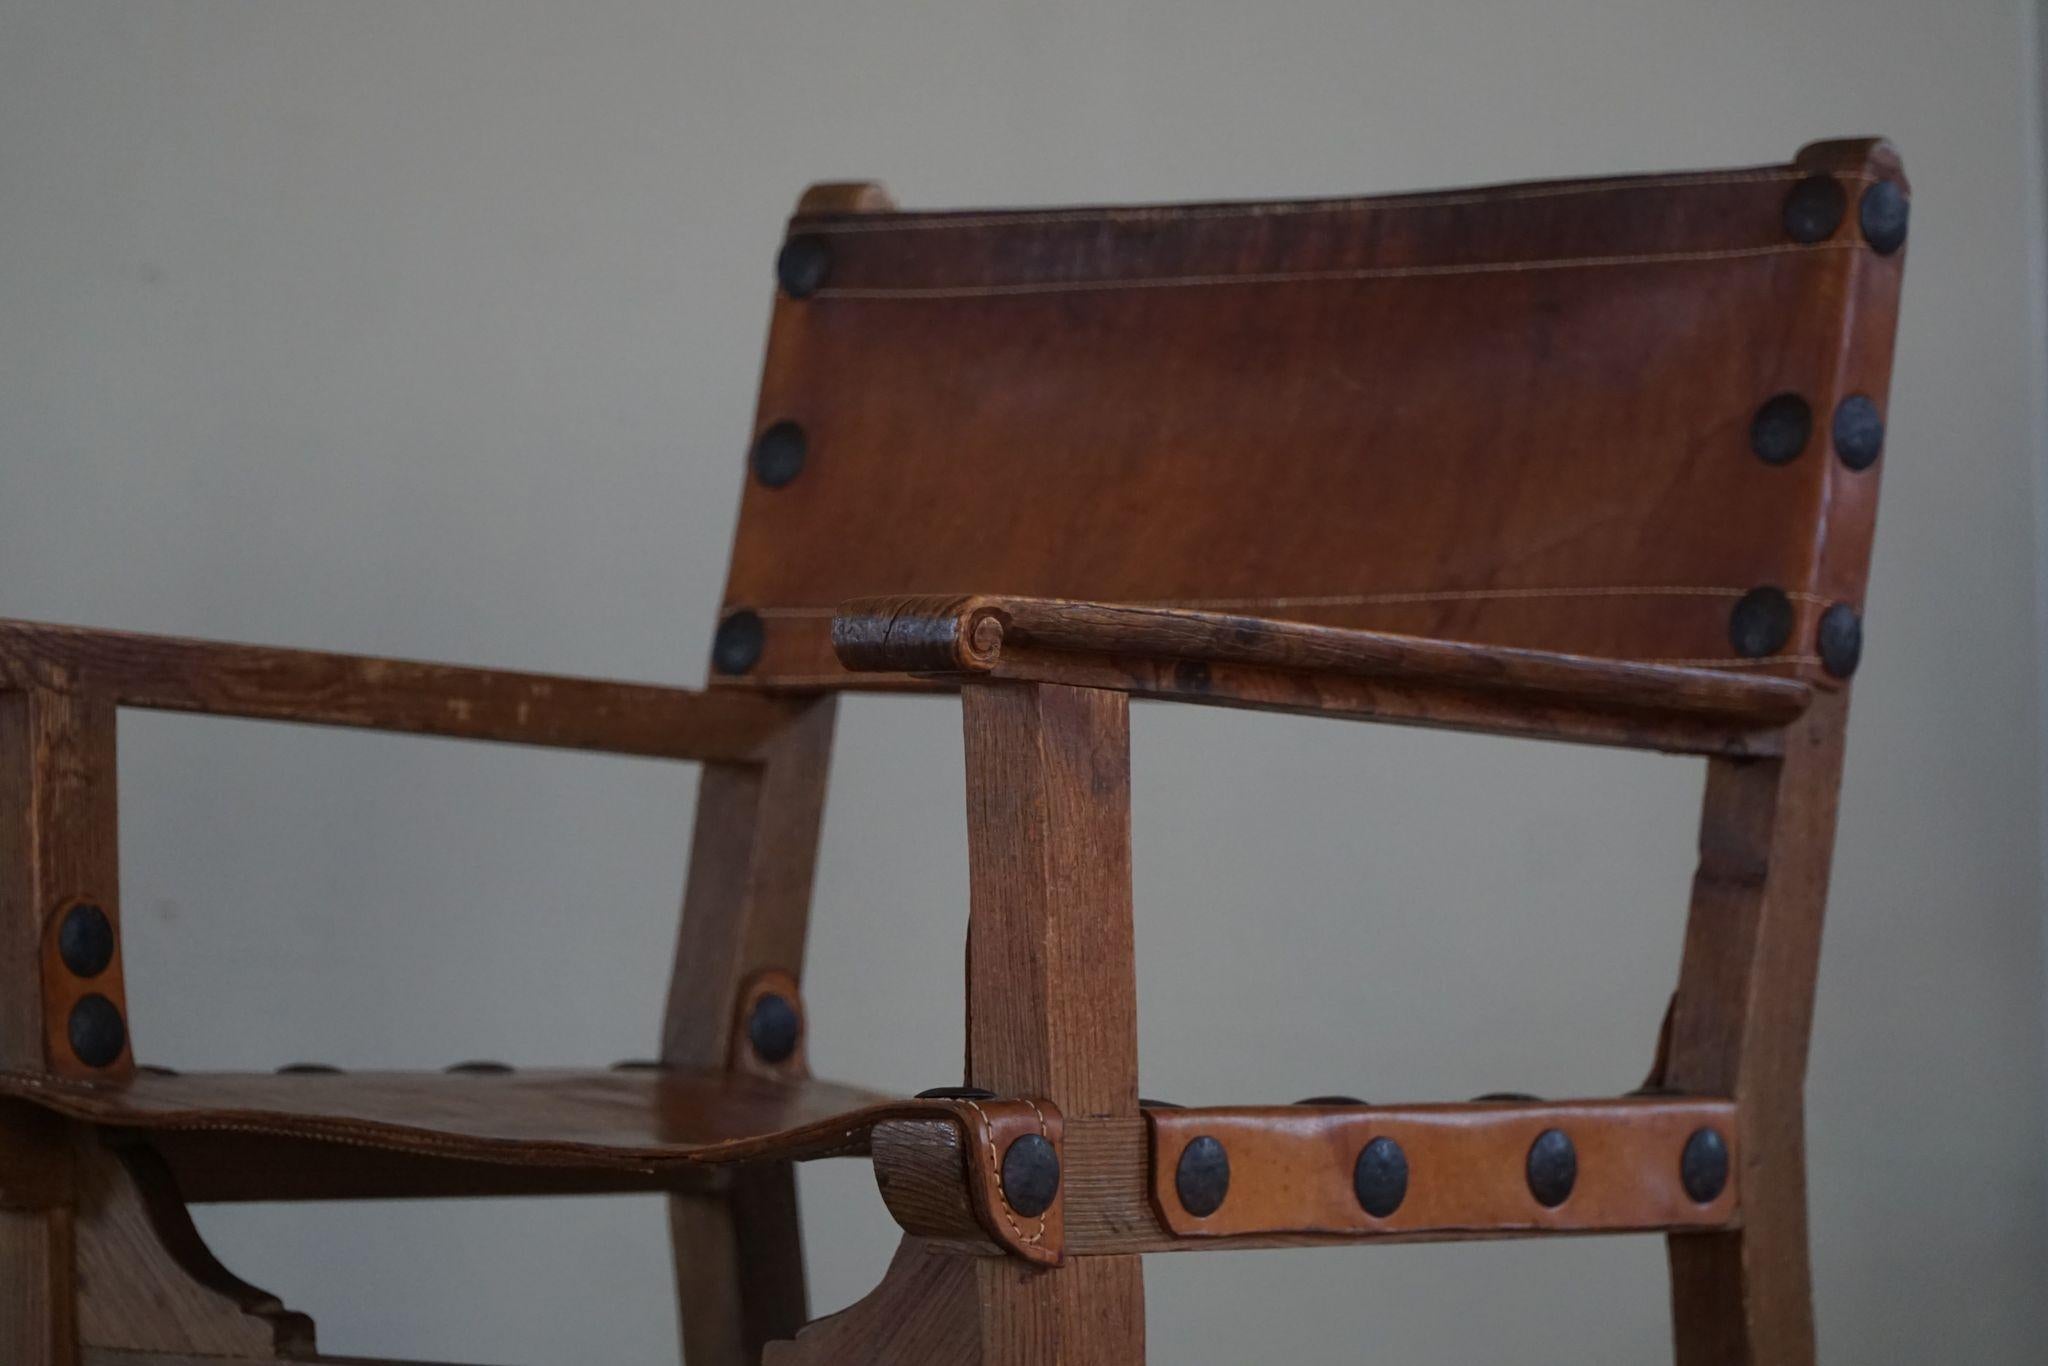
(164, 673)
(1248, 661)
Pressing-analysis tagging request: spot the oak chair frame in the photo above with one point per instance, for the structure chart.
(98, 1156)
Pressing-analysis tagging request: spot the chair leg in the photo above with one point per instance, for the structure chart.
(1739, 1027)
(1742, 1298)
(739, 1250)
(739, 1265)
(38, 1324)
(1052, 984)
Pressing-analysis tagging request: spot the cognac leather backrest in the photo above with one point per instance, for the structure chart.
(1591, 416)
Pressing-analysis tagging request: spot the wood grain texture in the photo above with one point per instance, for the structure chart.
(1052, 994)
(925, 1310)
(746, 911)
(146, 1281)
(1248, 661)
(38, 1321)
(60, 845)
(1741, 1022)
(1051, 978)
(164, 673)
(1518, 415)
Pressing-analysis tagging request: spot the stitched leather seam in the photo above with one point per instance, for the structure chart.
(995, 1168)
(1286, 277)
(1177, 213)
(1388, 599)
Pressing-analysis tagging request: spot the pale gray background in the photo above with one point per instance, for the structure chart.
(431, 329)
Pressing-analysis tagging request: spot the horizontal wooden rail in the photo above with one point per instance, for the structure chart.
(1291, 1175)
(165, 673)
(1290, 666)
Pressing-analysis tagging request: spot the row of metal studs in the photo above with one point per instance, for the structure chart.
(1379, 1177)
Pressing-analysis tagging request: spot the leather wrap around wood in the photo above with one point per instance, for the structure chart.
(1517, 416)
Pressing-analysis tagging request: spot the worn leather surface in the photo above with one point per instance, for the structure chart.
(631, 1119)
(1514, 416)
(991, 1127)
(1291, 1166)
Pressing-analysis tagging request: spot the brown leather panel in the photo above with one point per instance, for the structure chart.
(1517, 416)
(634, 1119)
(1291, 1167)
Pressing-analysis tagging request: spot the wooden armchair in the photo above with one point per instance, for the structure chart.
(1591, 461)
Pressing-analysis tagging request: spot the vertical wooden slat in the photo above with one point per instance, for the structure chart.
(739, 1251)
(1052, 984)
(38, 1319)
(58, 844)
(1740, 1025)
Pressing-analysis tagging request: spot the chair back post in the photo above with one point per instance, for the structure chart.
(735, 1002)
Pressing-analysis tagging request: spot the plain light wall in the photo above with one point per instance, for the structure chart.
(430, 328)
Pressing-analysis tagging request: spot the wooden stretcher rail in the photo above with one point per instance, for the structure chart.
(1290, 666)
(165, 673)
(1293, 1174)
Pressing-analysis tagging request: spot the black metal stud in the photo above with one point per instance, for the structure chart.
(480, 1068)
(737, 646)
(956, 1093)
(308, 1069)
(1203, 1177)
(1858, 432)
(637, 1065)
(97, 1032)
(1380, 1180)
(1841, 640)
(1031, 1175)
(1329, 1100)
(1813, 209)
(1553, 1168)
(802, 265)
(779, 454)
(773, 1028)
(1780, 429)
(1761, 623)
(85, 941)
(1703, 1167)
(1882, 214)
(1503, 1097)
